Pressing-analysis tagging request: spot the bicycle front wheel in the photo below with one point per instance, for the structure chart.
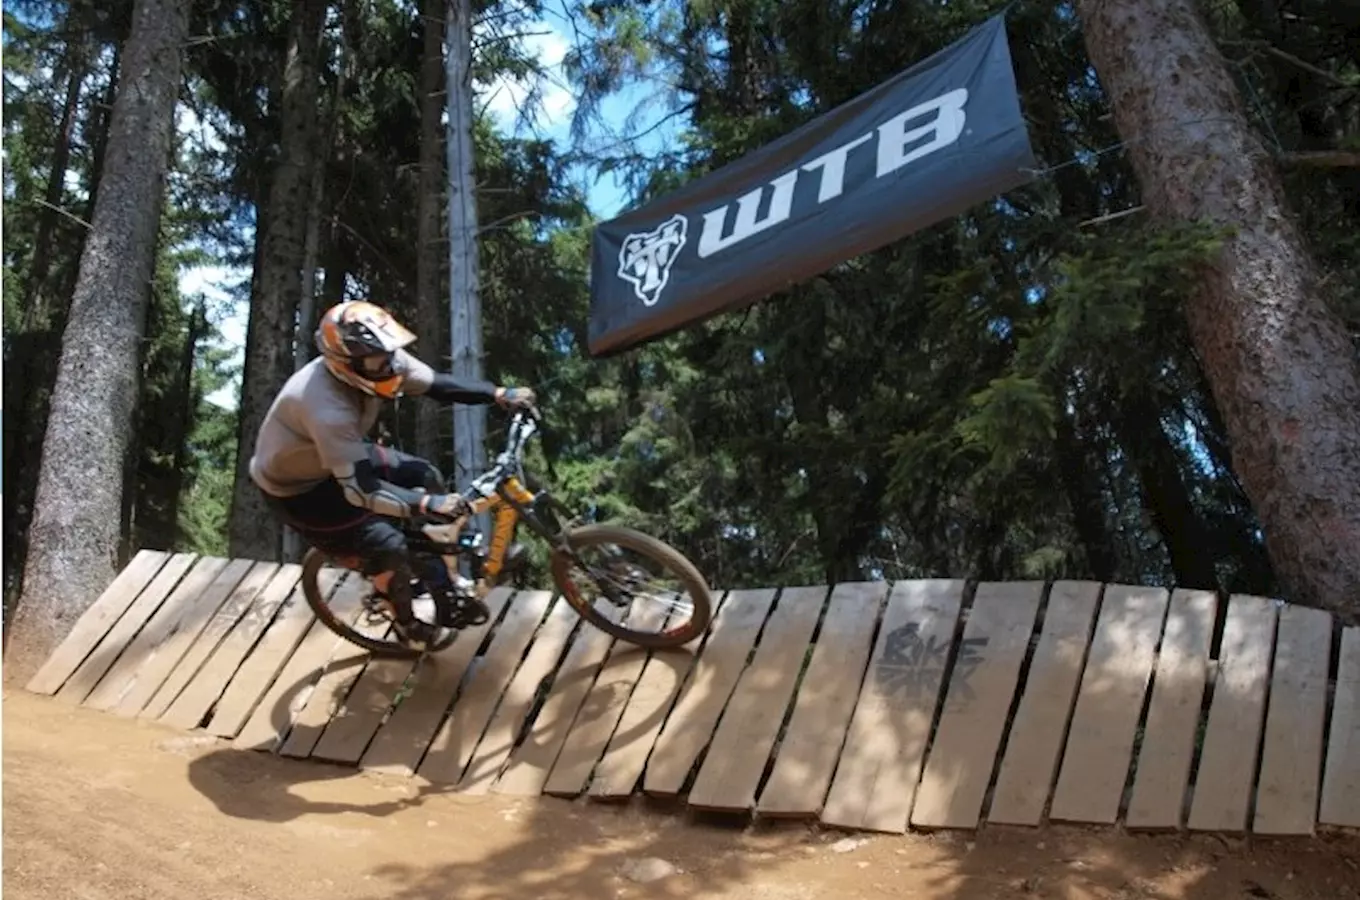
(633, 586)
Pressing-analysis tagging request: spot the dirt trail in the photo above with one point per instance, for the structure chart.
(100, 807)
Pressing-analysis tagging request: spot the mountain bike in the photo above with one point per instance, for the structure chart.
(454, 570)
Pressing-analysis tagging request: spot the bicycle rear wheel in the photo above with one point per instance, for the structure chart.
(688, 596)
(390, 647)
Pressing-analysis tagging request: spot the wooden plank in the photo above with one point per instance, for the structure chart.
(875, 782)
(458, 734)
(1291, 757)
(1095, 763)
(527, 769)
(603, 706)
(259, 668)
(401, 742)
(1036, 737)
(1168, 746)
(96, 621)
(91, 671)
(499, 737)
(806, 757)
(626, 753)
(702, 698)
(1227, 765)
(184, 631)
(134, 663)
(741, 746)
(207, 687)
(274, 715)
(349, 731)
(207, 640)
(328, 692)
(982, 687)
(1341, 780)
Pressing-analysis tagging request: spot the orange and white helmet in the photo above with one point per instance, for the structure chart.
(357, 341)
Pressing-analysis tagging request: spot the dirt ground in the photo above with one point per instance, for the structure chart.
(96, 807)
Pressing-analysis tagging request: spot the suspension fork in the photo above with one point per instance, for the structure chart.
(540, 513)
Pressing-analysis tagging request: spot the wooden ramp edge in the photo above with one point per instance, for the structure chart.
(882, 706)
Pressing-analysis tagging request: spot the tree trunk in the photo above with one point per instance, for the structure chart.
(29, 359)
(303, 345)
(254, 531)
(465, 306)
(1275, 352)
(1189, 544)
(37, 298)
(1084, 499)
(293, 547)
(165, 418)
(304, 348)
(187, 414)
(74, 532)
(429, 252)
(99, 126)
(333, 289)
(857, 533)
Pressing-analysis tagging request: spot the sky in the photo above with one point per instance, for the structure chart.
(550, 38)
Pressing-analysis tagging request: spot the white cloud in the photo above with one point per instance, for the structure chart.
(506, 97)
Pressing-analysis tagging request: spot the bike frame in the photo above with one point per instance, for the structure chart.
(501, 493)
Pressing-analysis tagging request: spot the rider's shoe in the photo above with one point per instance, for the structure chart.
(412, 628)
(415, 634)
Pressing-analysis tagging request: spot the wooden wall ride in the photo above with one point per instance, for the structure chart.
(874, 706)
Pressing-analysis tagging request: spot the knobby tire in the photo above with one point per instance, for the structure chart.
(312, 562)
(675, 562)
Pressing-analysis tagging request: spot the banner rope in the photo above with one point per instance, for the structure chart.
(1080, 158)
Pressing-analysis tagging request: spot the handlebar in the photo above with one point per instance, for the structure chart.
(524, 424)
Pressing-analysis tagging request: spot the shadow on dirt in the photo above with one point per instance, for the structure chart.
(568, 852)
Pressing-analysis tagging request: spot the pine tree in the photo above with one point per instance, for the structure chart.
(1275, 351)
(74, 536)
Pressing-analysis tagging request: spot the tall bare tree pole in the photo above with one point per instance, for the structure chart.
(465, 306)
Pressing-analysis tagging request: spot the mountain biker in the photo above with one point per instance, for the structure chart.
(322, 476)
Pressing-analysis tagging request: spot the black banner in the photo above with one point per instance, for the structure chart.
(938, 138)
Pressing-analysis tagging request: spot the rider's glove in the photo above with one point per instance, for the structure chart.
(516, 397)
(445, 506)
